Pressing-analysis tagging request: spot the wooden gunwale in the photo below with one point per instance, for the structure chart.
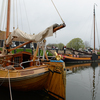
(76, 58)
(21, 78)
(19, 73)
(28, 83)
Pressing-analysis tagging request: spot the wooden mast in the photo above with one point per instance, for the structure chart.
(8, 19)
(94, 27)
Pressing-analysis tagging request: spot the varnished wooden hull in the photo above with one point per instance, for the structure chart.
(51, 76)
(32, 80)
(28, 83)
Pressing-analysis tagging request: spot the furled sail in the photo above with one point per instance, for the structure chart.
(28, 37)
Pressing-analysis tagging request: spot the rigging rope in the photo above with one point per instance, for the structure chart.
(91, 34)
(17, 13)
(97, 34)
(5, 15)
(13, 14)
(21, 14)
(27, 17)
(9, 85)
(57, 11)
(2, 10)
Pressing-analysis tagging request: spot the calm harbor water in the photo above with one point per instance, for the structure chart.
(83, 83)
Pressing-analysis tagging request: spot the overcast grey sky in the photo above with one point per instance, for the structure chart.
(77, 15)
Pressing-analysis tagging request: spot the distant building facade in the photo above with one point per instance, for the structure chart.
(14, 43)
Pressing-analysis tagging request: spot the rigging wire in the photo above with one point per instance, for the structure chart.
(17, 13)
(5, 20)
(91, 35)
(57, 11)
(13, 14)
(5, 17)
(97, 34)
(27, 17)
(20, 14)
(2, 10)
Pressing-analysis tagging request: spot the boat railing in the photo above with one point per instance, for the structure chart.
(37, 63)
(24, 63)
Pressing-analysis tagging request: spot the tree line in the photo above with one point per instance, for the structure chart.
(75, 43)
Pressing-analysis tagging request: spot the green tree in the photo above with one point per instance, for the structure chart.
(50, 45)
(60, 45)
(76, 43)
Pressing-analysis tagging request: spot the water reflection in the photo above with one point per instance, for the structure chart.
(83, 81)
(18, 95)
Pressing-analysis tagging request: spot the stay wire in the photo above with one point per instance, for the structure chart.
(2, 10)
(17, 13)
(5, 15)
(13, 14)
(57, 11)
(21, 14)
(91, 35)
(97, 34)
(27, 17)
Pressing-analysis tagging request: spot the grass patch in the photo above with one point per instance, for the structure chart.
(0, 49)
(98, 53)
(17, 50)
(49, 54)
(30, 51)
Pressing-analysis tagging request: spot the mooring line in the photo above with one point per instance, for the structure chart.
(9, 85)
(3, 80)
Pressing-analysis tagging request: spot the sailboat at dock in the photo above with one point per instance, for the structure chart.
(81, 56)
(24, 72)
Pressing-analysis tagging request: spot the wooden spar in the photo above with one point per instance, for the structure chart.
(54, 30)
(8, 19)
(57, 28)
(46, 56)
(19, 46)
(36, 53)
(94, 27)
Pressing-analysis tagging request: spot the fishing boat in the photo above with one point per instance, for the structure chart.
(25, 72)
(81, 56)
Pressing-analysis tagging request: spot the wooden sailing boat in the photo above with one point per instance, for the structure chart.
(85, 57)
(24, 72)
